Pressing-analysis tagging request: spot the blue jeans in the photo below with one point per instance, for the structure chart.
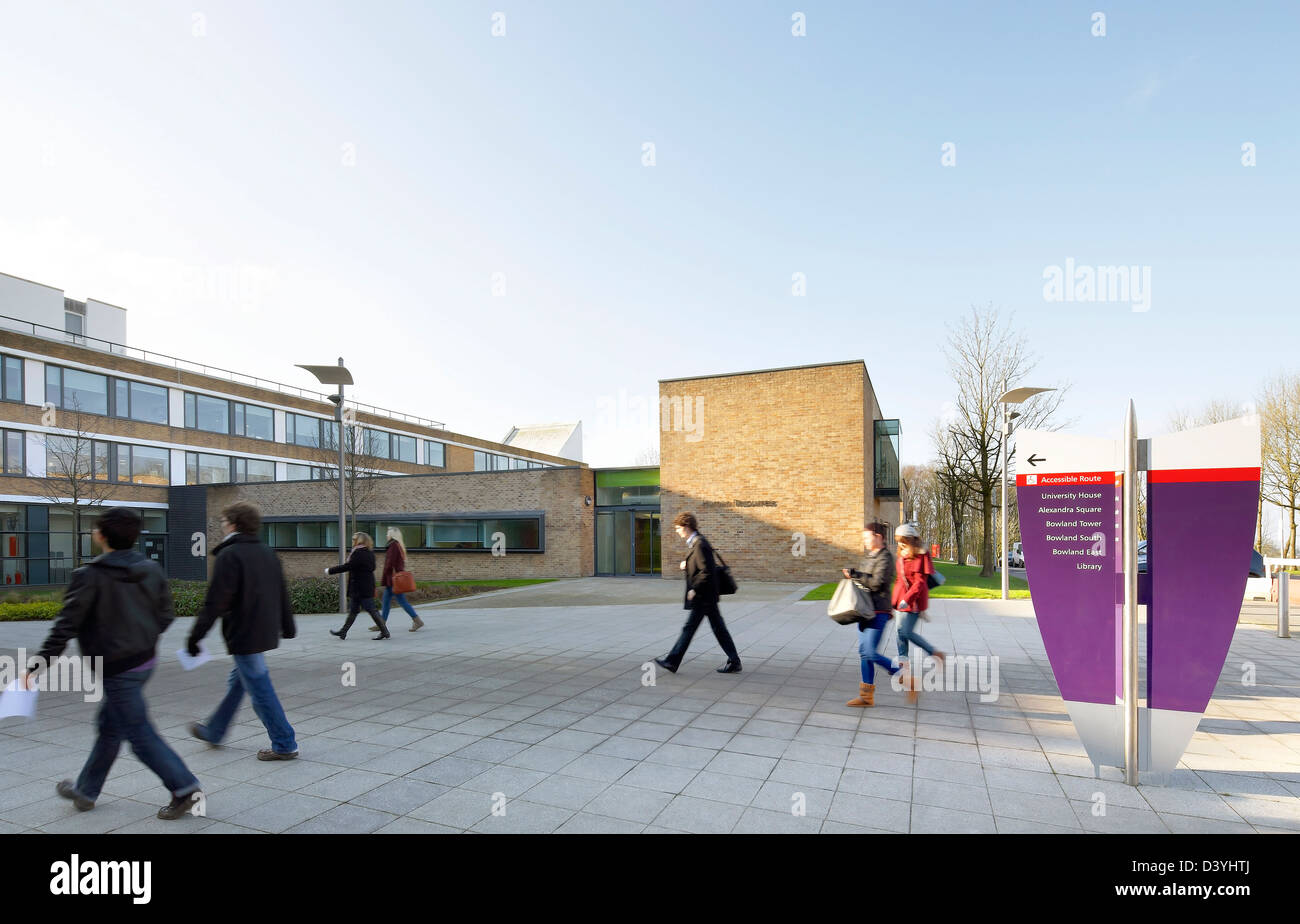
(389, 597)
(250, 674)
(868, 642)
(122, 715)
(907, 633)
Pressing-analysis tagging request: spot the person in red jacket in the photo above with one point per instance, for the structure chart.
(912, 599)
(395, 561)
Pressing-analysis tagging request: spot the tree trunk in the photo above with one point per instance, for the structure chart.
(986, 547)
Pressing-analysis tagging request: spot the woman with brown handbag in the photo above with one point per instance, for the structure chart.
(398, 582)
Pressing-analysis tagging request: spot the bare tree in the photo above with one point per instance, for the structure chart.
(954, 487)
(648, 455)
(75, 479)
(1279, 412)
(986, 359)
(1217, 410)
(361, 469)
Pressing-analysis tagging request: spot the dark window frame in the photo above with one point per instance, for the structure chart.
(5, 359)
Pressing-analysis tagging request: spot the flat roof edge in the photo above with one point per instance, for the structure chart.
(727, 375)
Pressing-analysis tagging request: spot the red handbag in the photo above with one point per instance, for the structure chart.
(403, 582)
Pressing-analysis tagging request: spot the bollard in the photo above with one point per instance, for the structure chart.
(1283, 605)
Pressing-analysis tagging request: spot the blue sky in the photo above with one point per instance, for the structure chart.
(320, 179)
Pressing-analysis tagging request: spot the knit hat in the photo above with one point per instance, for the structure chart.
(908, 530)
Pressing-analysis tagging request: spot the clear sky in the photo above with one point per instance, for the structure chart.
(268, 184)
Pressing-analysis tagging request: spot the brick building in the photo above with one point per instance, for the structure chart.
(782, 467)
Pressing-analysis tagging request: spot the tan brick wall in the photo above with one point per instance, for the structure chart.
(800, 438)
(559, 493)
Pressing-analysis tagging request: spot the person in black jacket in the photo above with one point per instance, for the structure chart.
(360, 567)
(116, 607)
(248, 594)
(876, 577)
(701, 598)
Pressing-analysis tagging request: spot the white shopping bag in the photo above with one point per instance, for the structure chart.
(17, 701)
(189, 662)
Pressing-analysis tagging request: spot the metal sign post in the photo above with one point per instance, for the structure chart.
(1130, 629)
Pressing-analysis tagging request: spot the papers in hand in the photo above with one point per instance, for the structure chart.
(189, 662)
(17, 701)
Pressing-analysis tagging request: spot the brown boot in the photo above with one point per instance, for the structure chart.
(866, 695)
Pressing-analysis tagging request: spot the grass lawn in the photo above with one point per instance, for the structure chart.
(963, 582)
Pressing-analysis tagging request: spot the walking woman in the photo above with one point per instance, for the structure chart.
(395, 561)
(912, 599)
(360, 567)
(875, 577)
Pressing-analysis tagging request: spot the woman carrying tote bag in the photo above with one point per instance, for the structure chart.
(398, 582)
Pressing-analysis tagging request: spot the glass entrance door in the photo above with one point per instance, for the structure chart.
(627, 542)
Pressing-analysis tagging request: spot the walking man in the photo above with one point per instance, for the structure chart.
(248, 594)
(700, 569)
(116, 607)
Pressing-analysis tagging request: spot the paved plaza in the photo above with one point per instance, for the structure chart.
(530, 702)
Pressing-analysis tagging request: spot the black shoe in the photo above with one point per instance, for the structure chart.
(665, 665)
(731, 667)
(179, 807)
(341, 634)
(68, 790)
(380, 638)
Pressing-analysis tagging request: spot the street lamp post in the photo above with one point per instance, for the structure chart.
(340, 376)
(1014, 396)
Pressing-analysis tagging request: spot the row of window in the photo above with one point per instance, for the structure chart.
(494, 462)
(92, 393)
(512, 534)
(109, 396)
(38, 542)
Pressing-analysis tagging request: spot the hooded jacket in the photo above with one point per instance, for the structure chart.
(115, 606)
(247, 592)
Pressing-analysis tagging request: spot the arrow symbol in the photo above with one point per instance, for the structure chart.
(1035, 459)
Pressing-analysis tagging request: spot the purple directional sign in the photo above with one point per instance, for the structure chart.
(1069, 497)
(1202, 492)
(1202, 497)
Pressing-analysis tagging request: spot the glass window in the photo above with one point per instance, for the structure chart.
(257, 422)
(453, 534)
(148, 403)
(296, 472)
(403, 448)
(74, 323)
(12, 383)
(67, 457)
(519, 534)
(302, 430)
(283, 535)
(206, 468)
(211, 414)
(13, 452)
(53, 385)
(85, 391)
(190, 416)
(149, 465)
(435, 454)
(155, 521)
(376, 443)
(309, 535)
(254, 470)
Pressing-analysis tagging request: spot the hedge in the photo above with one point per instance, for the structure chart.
(39, 609)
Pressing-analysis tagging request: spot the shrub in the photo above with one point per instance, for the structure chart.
(40, 609)
(314, 595)
(187, 597)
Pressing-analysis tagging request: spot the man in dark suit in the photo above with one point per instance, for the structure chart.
(701, 573)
